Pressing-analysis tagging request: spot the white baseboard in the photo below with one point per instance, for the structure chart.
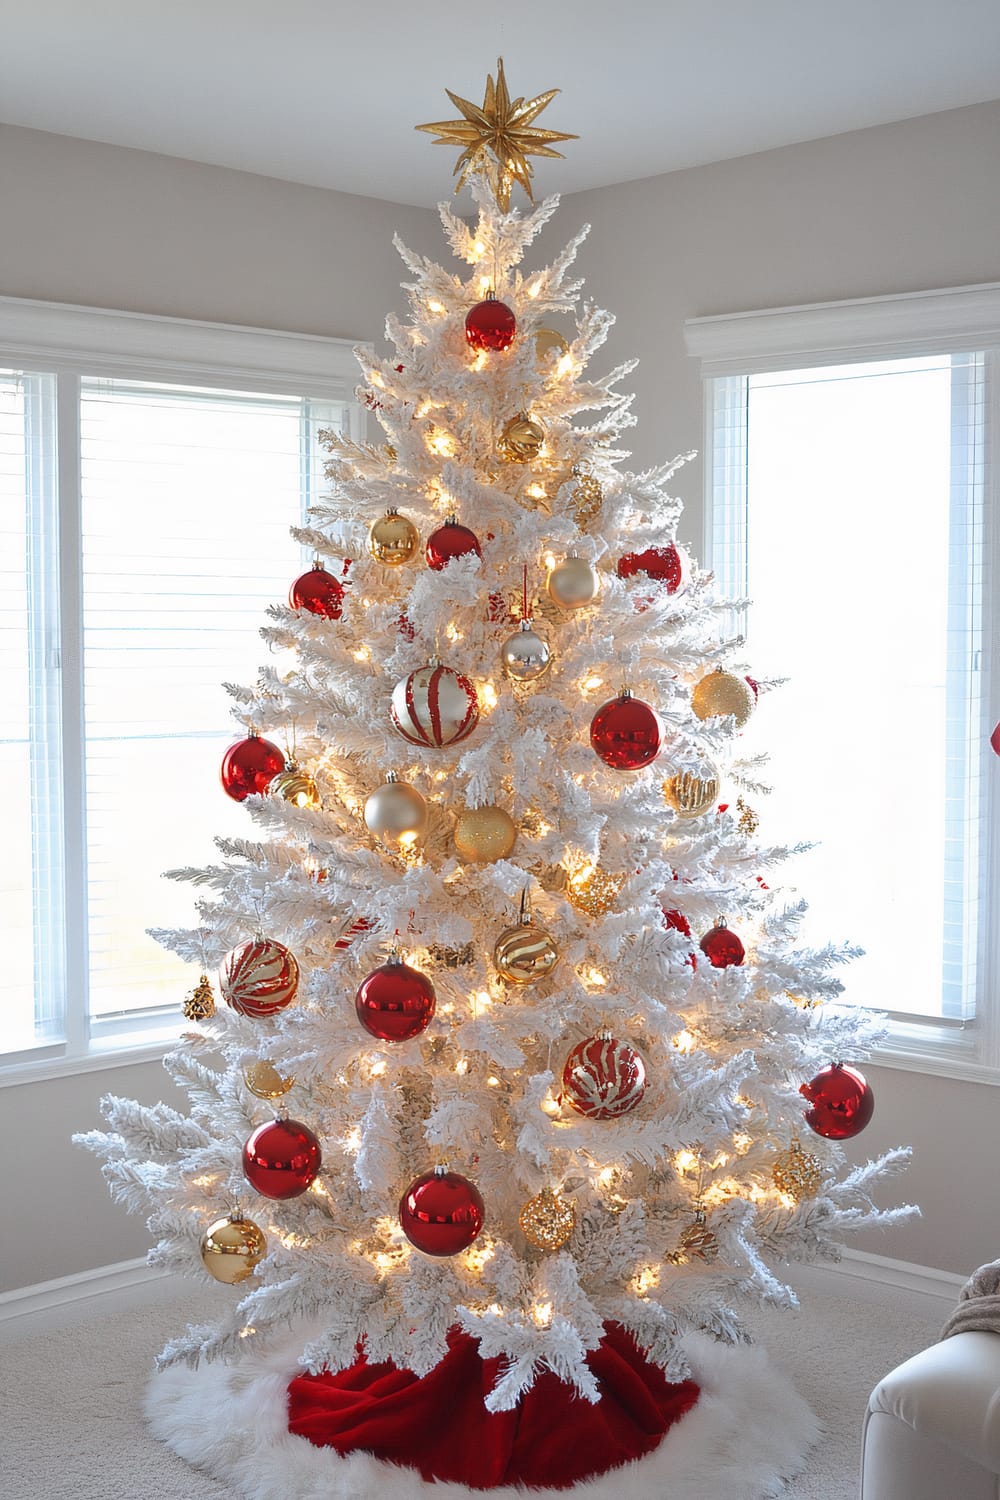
(46, 1296)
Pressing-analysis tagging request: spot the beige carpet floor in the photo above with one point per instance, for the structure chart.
(72, 1429)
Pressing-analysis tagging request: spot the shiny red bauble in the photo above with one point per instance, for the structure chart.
(626, 733)
(449, 541)
(281, 1158)
(722, 947)
(318, 592)
(676, 921)
(259, 978)
(842, 1102)
(441, 1213)
(490, 325)
(249, 766)
(395, 1002)
(603, 1077)
(995, 738)
(664, 564)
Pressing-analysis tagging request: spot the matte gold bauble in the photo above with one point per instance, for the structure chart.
(547, 1221)
(392, 539)
(484, 834)
(525, 656)
(200, 1004)
(574, 583)
(232, 1248)
(263, 1079)
(295, 786)
(594, 891)
(397, 814)
(547, 339)
(797, 1173)
(689, 795)
(521, 439)
(720, 694)
(697, 1242)
(524, 953)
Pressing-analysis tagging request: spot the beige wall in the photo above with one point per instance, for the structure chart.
(898, 208)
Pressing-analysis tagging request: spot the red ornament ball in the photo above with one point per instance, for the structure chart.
(626, 733)
(281, 1158)
(995, 739)
(434, 706)
(259, 978)
(249, 766)
(441, 1212)
(318, 592)
(490, 325)
(842, 1102)
(395, 1002)
(603, 1077)
(722, 947)
(664, 564)
(449, 541)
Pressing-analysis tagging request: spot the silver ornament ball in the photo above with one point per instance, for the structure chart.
(525, 656)
(397, 814)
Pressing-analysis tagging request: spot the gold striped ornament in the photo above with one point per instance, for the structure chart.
(295, 786)
(691, 795)
(525, 952)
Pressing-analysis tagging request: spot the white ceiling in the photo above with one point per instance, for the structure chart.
(327, 92)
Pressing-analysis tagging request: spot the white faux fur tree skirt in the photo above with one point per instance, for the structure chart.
(749, 1432)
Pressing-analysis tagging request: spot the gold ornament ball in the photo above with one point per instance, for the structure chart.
(484, 834)
(594, 891)
(547, 339)
(525, 656)
(397, 814)
(294, 786)
(797, 1173)
(521, 439)
(263, 1079)
(200, 1004)
(232, 1248)
(689, 795)
(720, 694)
(547, 1221)
(573, 584)
(392, 539)
(524, 953)
(696, 1243)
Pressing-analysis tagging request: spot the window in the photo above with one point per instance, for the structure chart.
(848, 505)
(144, 530)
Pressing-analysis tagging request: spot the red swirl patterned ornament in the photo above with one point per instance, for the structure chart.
(435, 706)
(603, 1077)
(259, 978)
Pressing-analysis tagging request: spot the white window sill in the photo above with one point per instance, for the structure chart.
(99, 1058)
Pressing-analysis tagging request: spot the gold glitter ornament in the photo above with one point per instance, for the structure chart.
(232, 1248)
(498, 136)
(593, 891)
(200, 1004)
(521, 439)
(484, 834)
(547, 339)
(721, 694)
(689, 795)
(586, 499)
(797, 1173)
(525, 952)
(573, 584)
(263, 1080)
(697, 1242)
(748, 821)
(547, 1221)
(392, 539)
(295, 786)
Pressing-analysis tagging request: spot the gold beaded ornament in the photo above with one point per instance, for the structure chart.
(200, 1004)
(797, 1173)
(547, 1221)
(484, 834)
(594, 891)
(721, 694)
(690, 795)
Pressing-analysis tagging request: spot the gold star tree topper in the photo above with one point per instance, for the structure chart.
(498, 137)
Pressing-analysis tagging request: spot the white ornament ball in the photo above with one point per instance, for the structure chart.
(574, 583)
(397, 814)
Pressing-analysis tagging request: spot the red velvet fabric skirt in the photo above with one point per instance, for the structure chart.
(438, 1423)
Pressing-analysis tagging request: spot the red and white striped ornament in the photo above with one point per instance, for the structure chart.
(603, 1077)
(259, 978)
(435, 706)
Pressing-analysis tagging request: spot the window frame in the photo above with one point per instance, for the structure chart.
(732, 348)
(71, 343)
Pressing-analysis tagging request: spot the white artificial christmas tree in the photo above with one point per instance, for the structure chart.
(538, 1021)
